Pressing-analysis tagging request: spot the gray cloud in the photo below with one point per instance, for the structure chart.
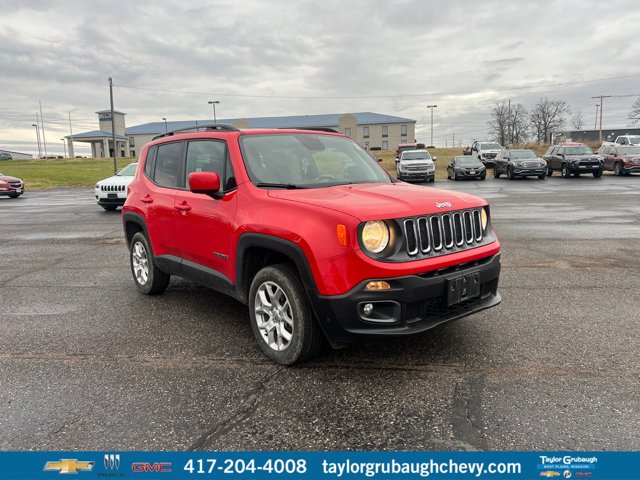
(468, 54)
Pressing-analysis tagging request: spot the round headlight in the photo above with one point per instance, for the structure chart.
(97, 185)
(375, 236)
(484, 218)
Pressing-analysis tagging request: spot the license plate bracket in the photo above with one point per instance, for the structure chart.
(112, 196)
(463, 288)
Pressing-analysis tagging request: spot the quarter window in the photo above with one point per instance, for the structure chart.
(148, 164)
(168, 164)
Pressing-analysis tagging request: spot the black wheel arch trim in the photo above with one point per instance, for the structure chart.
(277, 244)
(132, 217)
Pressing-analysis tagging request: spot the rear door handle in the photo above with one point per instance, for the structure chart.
(147, 199)
(183, 207)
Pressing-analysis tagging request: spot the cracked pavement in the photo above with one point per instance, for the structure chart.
(88, 363)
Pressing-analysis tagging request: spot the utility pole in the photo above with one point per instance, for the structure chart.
(44, 141)
(37, 135)
(595, 123)
(431, 107)
(113, 127)
(453, 140)
(71, 149)
(601, 97)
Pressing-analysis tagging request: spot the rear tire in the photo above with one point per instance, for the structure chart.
(281, 318)
(149, 279)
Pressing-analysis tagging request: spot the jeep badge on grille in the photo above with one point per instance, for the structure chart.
(443, 204)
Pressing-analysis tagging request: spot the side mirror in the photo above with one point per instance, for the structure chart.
(561, 155)
(397, 159)
(434, 158)
(207, 183)
(379, 160)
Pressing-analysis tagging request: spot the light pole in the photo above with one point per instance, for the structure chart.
(165, 123)
(38, 137)
(432, 107)
(213, 104)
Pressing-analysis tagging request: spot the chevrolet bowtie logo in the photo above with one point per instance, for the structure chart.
(68, 466)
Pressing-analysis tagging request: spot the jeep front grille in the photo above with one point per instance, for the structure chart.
(444, 233)
(113, 188)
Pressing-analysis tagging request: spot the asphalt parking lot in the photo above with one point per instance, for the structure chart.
(88, 363)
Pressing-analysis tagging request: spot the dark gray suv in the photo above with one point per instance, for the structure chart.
(519, 163)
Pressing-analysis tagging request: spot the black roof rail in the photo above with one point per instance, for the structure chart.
(316, 129)
(197, 128)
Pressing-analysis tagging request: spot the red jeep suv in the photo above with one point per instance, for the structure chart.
(311, 233)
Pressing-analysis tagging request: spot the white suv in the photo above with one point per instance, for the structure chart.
(416, 165)
(111, 192)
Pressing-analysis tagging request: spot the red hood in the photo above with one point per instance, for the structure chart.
(5, 178)
(375, 201)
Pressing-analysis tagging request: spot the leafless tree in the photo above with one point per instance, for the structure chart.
(546, 116)
(577, 121)
(519, 123)
(499, 123)
(634, 114)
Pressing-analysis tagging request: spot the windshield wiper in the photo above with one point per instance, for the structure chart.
(288, 186)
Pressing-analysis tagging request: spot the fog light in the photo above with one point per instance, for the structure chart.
(367, 309)
(377, 286)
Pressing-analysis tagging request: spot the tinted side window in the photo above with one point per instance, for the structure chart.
(148, 163)
(205, 156)
(168, 163)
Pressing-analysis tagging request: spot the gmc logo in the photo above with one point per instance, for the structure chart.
(151, 467)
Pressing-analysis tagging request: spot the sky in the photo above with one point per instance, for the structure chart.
(259, 58)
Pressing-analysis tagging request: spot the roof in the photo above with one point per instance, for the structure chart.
(326, 120)
(93, 134)
(2, 150)
(109, 111)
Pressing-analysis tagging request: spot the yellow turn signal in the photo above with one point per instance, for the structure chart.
(341, 230)
(377, 286)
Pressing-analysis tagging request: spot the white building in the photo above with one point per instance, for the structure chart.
(373, 131)
(18, 155)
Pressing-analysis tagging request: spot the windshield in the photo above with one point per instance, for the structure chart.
(635, 139)
(584, 150)
(128, 171)
(490, 146)
(629, 150)
(466, 160)
(308, 161)
(416, 156)
(520, 154)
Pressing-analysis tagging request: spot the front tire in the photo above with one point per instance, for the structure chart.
(149, 279)
(542, 176)
(281, 318)
(109, 208)
(496, 173)
(565, 172)
(617, 169)
(510, 174)
(549, 171)
(14, 195)
(597, 174)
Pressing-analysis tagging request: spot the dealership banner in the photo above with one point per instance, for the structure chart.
(319, 465)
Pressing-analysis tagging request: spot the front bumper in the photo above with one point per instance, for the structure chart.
(116, 199)
(412, 175)
(414, 304)
(631, 168)
(12, 191)
(529, 172)
(488, 161)
(585, 168)
(468, 174)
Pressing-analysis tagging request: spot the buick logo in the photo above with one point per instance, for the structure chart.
(111, 461)
(443, 204)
